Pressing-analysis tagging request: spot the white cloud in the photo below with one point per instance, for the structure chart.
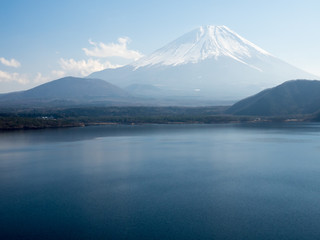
(119, 49)
(10, 63)
(72, 67)
(40, 78)
(81, 67)
(67, 67)
(13, 77)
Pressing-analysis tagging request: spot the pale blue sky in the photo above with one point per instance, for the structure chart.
(42, 40)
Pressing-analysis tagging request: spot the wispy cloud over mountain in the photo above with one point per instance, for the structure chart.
(96, 59)
(83, 67)
(120, 49)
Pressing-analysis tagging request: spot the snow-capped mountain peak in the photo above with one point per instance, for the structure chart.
(202, 43)
(208, 63)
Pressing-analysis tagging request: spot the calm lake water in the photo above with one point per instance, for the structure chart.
(251, 181)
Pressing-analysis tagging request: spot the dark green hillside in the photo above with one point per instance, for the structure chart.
(290, 98)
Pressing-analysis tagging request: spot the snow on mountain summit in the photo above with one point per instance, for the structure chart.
(202, 43)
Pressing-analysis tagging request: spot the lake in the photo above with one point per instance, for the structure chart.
(228, 181)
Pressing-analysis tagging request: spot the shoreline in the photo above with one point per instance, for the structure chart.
(58, 124)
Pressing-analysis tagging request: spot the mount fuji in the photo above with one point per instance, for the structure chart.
(210, 63)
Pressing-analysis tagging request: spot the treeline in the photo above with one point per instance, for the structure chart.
(16, 122)
(7, 123)
(161, 119)
(113, 111)
(83, 116)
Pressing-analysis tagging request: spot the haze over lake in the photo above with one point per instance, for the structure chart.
(161, 182)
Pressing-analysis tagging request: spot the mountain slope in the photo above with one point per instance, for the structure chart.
(291, 97)
(68, 90)
(210, 62)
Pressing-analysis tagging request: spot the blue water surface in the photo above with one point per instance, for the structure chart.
(229, 181)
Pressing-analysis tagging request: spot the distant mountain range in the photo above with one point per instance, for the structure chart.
(68, 91)
(71, 91)
(208, 63)
(211, 65)
(290, 98)
(295, 97)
